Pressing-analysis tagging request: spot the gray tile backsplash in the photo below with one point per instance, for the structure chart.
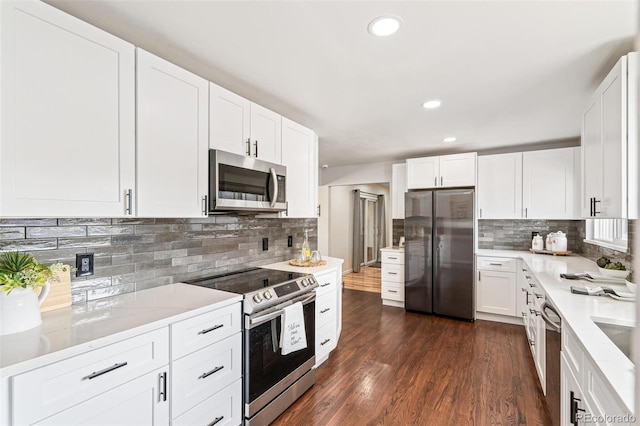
(516, 234)
(135, 254)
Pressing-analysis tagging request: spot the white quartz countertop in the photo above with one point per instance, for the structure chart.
(68, 331)
(332, 263)
(577, 312)
(393, 249)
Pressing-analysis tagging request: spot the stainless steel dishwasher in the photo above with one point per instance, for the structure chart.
(553, 345)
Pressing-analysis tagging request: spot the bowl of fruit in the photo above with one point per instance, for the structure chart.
(611, 269)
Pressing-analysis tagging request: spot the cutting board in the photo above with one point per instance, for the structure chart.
(59, 293)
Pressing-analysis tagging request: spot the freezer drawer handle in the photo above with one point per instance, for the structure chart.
(209, 330)
(208, 373)
(105, 371)
(216, 421)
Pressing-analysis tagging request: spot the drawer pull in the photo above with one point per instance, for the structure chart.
(532, 285)
(534, 312)
(325, 310)
(392, 291)
(216, 421)
(325, 284)
(394, 258)
(392, 273)
(105, 371)
(209, 330)
(538, 296)
(495, 264)
(208, 373)
(325, 342)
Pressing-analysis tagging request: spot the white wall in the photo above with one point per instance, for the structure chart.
(356, 174)
(341, 219)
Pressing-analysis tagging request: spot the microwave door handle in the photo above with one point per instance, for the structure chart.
(274, 183)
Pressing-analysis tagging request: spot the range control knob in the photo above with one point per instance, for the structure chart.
(257, 298)
(304, 282)
(267, 295)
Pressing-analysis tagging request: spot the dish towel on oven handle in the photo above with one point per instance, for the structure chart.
(293, 336)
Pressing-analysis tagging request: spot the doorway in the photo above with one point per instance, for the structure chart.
(369, 229)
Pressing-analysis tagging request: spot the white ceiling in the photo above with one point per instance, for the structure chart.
(509, 72)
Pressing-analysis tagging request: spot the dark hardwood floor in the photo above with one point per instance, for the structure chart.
(397, 368)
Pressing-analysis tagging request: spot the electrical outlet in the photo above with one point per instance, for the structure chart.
(265, 244)
(290, 241)
(84, 264)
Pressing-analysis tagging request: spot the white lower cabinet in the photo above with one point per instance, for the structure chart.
(586, 397)
(142, 380)
(138, 402)
(496, 286)
(392, 275)
(328, 321)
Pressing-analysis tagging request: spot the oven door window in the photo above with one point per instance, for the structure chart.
(266, 365)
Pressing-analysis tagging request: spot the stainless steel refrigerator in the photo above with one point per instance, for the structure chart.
(438, 230)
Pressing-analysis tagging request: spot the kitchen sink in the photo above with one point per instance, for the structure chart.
(619, 334)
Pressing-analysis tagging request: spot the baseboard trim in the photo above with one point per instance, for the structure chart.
(499, 318)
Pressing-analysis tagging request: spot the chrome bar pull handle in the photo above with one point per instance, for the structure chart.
(249, 147)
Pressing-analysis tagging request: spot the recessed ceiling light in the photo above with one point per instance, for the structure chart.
(384, 26)
(451, 139)
(435, 103)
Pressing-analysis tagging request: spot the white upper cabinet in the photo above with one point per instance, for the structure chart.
(266, 134)
(240, 126)
(445, 171)
(67, 144)
(300, 156)
(423, 173)
(172, 142)
(549, 183)
(500, 186)
(609, 134)
(229, 121)
(398, 189)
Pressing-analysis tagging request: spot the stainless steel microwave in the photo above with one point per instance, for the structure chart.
(245, 184)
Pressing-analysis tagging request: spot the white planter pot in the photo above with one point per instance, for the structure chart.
(20, 310)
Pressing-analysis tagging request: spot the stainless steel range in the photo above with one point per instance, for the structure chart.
(272, 381)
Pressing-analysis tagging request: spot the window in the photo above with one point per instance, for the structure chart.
(610, 233)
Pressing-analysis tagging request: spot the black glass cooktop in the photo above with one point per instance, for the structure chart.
(247, 281)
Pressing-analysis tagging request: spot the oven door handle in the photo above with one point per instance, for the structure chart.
(268, 317)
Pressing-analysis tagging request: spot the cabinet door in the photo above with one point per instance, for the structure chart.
(496, 292)
(229, 121)
(266, 134)
(172, 157)
(398, 188)
(569, 391)
(299, 155)
(67, 146)
(500, 186)
(458, 170)
(142, 401)
(423, 173)
(548, 184)
(613, 97)
(591, 145)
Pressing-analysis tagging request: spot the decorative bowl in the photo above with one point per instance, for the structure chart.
(631, 286)
(614, 273)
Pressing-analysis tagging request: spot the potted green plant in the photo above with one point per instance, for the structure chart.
(20, 276)
(630, 282)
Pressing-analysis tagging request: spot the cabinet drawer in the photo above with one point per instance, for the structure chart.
(325, 309)
(497, 264)
(393, 257)
(194, 333)
(203, 373)
(393, 273)
(325, 339)
(392, 291)
(222, 409)
(45, 391)
(327, 282)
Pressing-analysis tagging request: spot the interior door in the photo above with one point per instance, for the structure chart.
(369, 224)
